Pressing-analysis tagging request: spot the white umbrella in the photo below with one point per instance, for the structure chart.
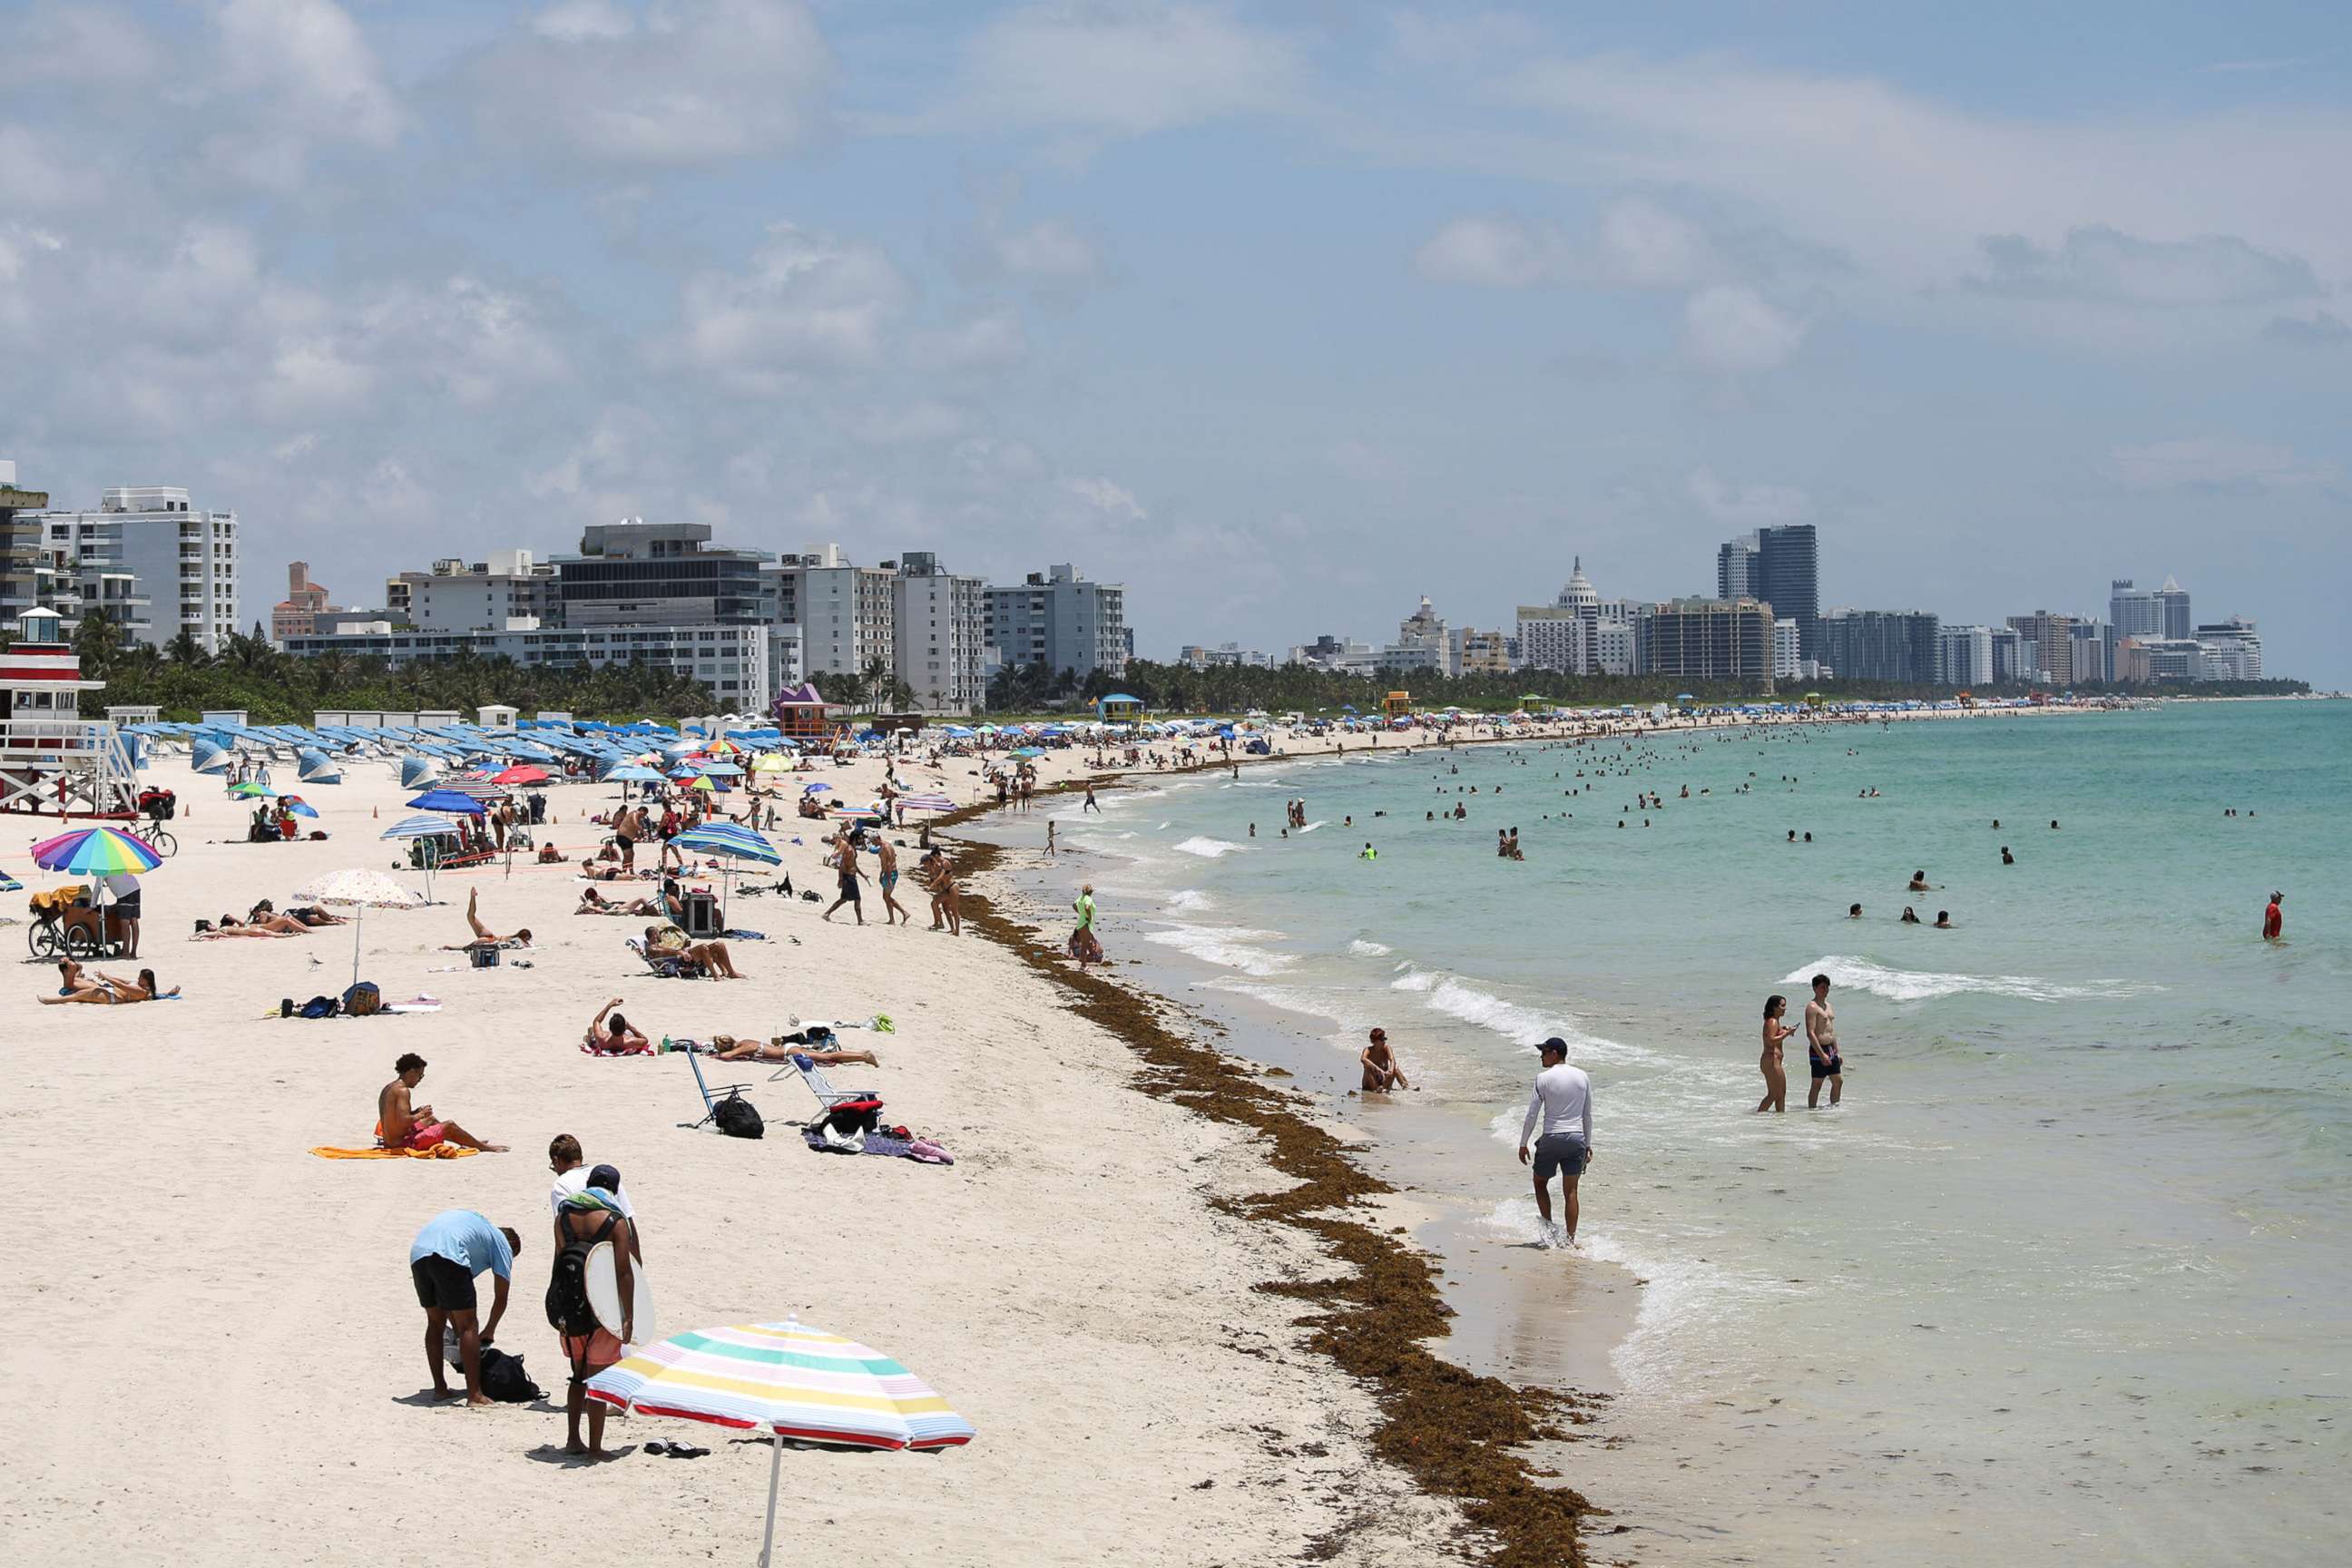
(360, 889)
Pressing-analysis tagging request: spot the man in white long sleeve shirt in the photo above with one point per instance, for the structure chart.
(1563, 1099)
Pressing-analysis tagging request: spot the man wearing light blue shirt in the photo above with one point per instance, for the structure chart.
(443, 1260)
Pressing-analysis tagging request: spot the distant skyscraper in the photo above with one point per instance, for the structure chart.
(2132, 612)
(1896, 647)
(1735, 569)
(2175, 600)
(1709, 639)
(1788, 576)
(2053, 640)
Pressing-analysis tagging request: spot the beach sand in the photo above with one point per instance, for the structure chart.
(216, 1339)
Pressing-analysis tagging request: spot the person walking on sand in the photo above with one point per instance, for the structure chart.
(947, 903)
(1381, 1071)
(1822, 1046)
(1776, 1074)
(590, 1215)
(2274, 917)
(845, 864)
(885, 877)
(1563, 1101)
(1050, 855)
(447, 1256)
(1084, 945)
(402, 1123)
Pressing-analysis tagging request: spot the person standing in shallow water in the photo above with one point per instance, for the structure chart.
(1776, 1072)
(1822, 1046)
(1563, 1099)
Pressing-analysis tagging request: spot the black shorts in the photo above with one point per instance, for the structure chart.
(1829, 1068)
(127, 907)
(1560, 1152)
(443, 1284)
(849, 890)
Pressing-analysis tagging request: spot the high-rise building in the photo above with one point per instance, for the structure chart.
(1708, 639)
(2174, 598)
(2233, 651)
(1786, 658)
(939, 625)
(1896, 647)
(2008, 657)
(509, 590)
(2053, 640)
(1564, 633)
(2091, 652)
(1736, 575)
(1060, 620)
(1472, 652)
(635, 573)
(298, 612)
(25, 563)
(1964, 657)
(184, 559)
(1787, 576)
(847, 614)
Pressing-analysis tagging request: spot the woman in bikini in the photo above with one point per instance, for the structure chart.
(748, 1047)
(1775, 1075)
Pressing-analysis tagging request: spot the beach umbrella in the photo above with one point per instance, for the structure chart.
(702, 783)
(926, 803)
(520, 774)
(10, 884)
(208, 757)
(771, 763)
(448, 800)
(358, 889)
(415, 772)
(789, 1379)
(814, 788)
(424, 827)
(300, 807)
(94, 852)
(251, 791)
(732, 841)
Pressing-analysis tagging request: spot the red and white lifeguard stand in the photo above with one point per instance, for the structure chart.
(54, 762)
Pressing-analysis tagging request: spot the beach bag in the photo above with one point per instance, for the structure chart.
(568, 1311)
(504, 1379)
(485, 957)
(363, 1000)
(317, 1008)
(737, 1119)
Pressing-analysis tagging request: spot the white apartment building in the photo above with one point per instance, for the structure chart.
(1964, 656)
(741, 664)
(1060, 620)
(185, 560)
(846, 613)
(939, 631)
(511, 590)
(2233, 651)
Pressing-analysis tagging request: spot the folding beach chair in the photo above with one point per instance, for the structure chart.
(668, 966)
(711, 1099)
(827, 1097)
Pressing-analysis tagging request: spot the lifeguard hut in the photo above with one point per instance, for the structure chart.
(1118, 708)
(800, 714)
(1397, 705)
(52, 759)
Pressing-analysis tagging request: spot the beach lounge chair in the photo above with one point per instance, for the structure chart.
(712, 1099)
(669, 966)
(829, 1098)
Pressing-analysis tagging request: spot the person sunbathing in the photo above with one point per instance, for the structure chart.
(106, 989)
(748, 1047)
(609, 1033)
(483, 935)
(593, 902)
(400, 1123)
(275, 927)
(311, 915)
(669, 941)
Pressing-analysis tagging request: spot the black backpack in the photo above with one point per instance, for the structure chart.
(568, 1311)
(504, 1379)
(737, 1119)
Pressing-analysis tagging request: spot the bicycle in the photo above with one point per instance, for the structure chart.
(156, 837)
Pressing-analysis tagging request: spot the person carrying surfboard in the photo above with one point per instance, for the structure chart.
(584, 1221)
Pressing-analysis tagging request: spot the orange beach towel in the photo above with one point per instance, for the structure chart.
(438, 1152)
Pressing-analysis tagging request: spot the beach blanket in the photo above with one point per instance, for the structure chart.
(920, 1149)
(438, 1152)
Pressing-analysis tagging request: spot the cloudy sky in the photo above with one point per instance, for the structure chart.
(1282, 313)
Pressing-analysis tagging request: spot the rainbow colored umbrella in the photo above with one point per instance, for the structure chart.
(94, 852)
(790, 1380)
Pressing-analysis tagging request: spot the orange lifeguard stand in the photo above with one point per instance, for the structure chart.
(1396, 705)
(800, 714)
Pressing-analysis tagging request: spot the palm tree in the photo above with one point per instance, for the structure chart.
(185, 651)
(97, 641)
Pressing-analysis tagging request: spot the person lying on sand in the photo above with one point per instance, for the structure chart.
(611, 1035)
(483, 935)
(78, 985)
(669, 941)
(593, 902)
(747, 1047)
(403, 1124)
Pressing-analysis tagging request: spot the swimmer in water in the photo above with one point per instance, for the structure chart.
(2006, 857)
(1910, 916)
(1943, 920)
(1853, 911)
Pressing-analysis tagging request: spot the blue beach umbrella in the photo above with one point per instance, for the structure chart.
(448, 800)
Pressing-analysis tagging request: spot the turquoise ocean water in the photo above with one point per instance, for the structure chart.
(2068, 1276)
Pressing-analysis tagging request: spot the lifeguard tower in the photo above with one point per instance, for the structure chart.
(1397, 705)
(54, 762)
(1118, 708)
(800, 714)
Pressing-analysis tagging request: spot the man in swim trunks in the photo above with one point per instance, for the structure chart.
(401, 1124)
(887, 878)
(1822, 1046)
(1382, 1071)
(1564, 1097)
(447, 1256)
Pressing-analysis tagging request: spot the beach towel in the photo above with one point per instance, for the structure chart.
(438, 1152)
(922, 1150)
(643, 1051)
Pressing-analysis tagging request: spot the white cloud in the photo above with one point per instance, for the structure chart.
(1734, 331)
(1492, 252)
(1106, 496)
(80, 42)
(2223, 464)
(2099, 263)
(306, 64)
(685, 82)
(1749, 506)
(989, 342)
(1051, 250)
(1636, 244)
(1125, 66)
(2320, 329)
(34, 173)
(809, 302)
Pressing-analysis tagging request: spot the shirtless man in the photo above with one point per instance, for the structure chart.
(1821, 1045)
(1381, 1071)
(671, 943)
(403, 1124)
(483, 935)
(946, 905)
(887, 878)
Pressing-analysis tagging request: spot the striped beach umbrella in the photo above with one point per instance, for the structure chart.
(789, 1379)
(10, 884)
(94, 852)
(926, 803)
(731, 839)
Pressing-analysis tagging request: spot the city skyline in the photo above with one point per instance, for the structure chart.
(1304, 311)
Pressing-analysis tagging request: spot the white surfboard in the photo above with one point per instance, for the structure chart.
(603, 1282)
